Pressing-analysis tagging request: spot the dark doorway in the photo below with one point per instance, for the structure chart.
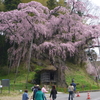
(51, 76)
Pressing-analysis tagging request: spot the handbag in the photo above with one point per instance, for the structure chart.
(50, 98)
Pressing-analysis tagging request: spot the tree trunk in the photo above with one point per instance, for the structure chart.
(28, 62)
(60, 65)
(61, 82)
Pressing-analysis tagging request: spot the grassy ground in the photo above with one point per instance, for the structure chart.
(81, 77)
(84, 81)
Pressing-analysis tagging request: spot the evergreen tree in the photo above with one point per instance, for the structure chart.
(1, 5)
(11, 4)
(51, 4)
(3, 48)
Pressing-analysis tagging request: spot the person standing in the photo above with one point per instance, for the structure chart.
(35, 90)
(25, 95)
(53, 93)
(70, 90)
(39, 95)
(44, 91)
(32, 88)
(74, 84)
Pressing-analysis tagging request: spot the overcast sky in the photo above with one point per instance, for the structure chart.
(96, 2)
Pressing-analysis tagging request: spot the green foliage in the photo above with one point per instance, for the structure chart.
(38, 68)
(1, 6)
(3, 70)
(51, 4)
(11, 4)
(80, 13)
(41, 1)
(3, 50)
(31, 14)
(37, 74)
(37, 78)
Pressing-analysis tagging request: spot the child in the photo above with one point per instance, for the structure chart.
(25, 95)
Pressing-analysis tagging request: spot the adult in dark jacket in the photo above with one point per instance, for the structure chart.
(34, 91)
(74, 84)
(53, 93)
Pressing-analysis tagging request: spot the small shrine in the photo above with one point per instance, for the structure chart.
(48, 75)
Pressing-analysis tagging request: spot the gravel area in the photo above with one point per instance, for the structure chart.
(12, 96)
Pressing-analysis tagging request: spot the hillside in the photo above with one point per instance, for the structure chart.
(80, 76)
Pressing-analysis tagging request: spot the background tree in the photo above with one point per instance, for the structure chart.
(51, 4)
(1, 5)
(11, 4)
(3, 48)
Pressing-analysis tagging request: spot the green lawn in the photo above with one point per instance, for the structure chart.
(81, 77)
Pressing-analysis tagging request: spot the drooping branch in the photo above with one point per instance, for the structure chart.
(53, 12)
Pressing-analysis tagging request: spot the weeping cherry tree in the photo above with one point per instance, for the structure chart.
(61, 33)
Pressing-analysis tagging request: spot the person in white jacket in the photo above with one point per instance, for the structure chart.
(70, 90)
(44, 91)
